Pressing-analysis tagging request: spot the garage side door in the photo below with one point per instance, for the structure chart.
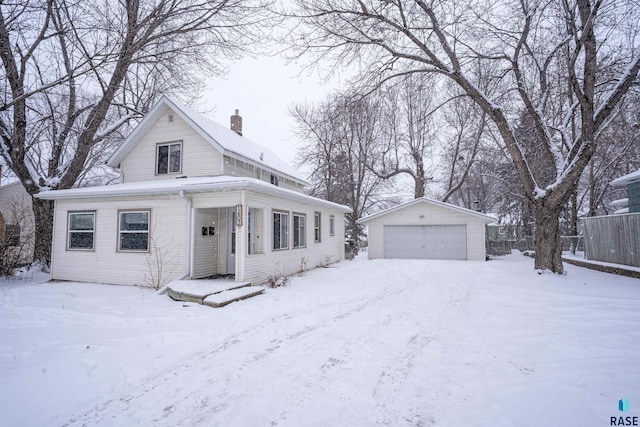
(425, 241)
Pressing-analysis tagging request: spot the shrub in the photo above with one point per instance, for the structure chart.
(276, 280)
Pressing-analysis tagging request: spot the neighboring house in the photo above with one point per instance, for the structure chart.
(196, 200)
(16, 224)
(427, 229)
(616, 238)
(632, 202)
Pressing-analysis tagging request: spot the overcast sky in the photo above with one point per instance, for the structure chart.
(263, 89)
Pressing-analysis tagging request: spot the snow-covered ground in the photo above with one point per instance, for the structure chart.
(388, 342)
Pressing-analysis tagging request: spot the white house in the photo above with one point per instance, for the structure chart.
(196, 200)
(16, 224)
(427, 229)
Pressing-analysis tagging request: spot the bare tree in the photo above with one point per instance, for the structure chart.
(76, 73)
(408, 121)
(617, 154)
(342, 137)
(468, 126)
(548, 59)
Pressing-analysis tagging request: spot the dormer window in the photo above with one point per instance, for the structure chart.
(169, 158)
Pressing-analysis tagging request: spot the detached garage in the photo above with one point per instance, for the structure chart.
(427, 229)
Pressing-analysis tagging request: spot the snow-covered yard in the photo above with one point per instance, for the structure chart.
(363, 343)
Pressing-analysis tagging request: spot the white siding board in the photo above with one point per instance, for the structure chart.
(105, 264)
(199, 157)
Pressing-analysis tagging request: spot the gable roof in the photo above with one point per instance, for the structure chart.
(188, 186)
(221, 138)
(627, 179)
(485, 218)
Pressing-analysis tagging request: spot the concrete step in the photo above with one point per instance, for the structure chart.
(198, 290)
(227, 297)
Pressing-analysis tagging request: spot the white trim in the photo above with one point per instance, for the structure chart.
(147, 231)
(92, 231)
(190, 186)
(486, 218)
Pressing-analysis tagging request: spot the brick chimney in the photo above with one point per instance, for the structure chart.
(236, 123)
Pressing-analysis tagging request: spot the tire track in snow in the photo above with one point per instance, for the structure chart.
(241, 343)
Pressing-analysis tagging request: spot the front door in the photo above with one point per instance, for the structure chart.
(231, 241)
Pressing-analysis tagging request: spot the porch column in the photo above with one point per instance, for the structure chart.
(242, 237)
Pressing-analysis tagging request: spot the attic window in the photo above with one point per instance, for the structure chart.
(170, 116)
(168, 158)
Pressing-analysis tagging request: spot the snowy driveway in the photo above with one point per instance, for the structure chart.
(363, 343)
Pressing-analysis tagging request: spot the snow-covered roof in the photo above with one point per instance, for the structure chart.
(621, 211)
(627, 179)
(220, 137)
(11, 184)
(188, 185)
(620, 203)
(484, 217)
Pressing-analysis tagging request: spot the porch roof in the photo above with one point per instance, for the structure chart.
(187, 186)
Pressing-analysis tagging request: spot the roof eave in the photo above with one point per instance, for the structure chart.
(627, 179)
(486, 218)
(195, 188)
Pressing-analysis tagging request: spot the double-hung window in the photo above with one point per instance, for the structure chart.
(169, 158)
(299, 230)
(316, 227)
(280, 230)
(81, 227)
(133, 231)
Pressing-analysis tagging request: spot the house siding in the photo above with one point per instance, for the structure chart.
(16, 208)
(633, 193)
(243, 168)
(257, 267)
(432, 215)
(104, 264)
(207, 248)
(199, 157)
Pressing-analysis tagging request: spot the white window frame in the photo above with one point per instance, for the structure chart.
(147, 231)
(92, 231)
(332, 225)
(283, 230)
(299, 234)
(317, 227)
(169, 145)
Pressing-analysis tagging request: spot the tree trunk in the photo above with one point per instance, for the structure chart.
(574, 221)
(43, 215)
(355, 235)
(548, 245)
(420, 184)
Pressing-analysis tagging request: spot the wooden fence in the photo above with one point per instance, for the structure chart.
(613, 238)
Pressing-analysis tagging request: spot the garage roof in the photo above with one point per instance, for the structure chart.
(485, 218)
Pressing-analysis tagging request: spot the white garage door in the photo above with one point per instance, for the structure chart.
(425, 241)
